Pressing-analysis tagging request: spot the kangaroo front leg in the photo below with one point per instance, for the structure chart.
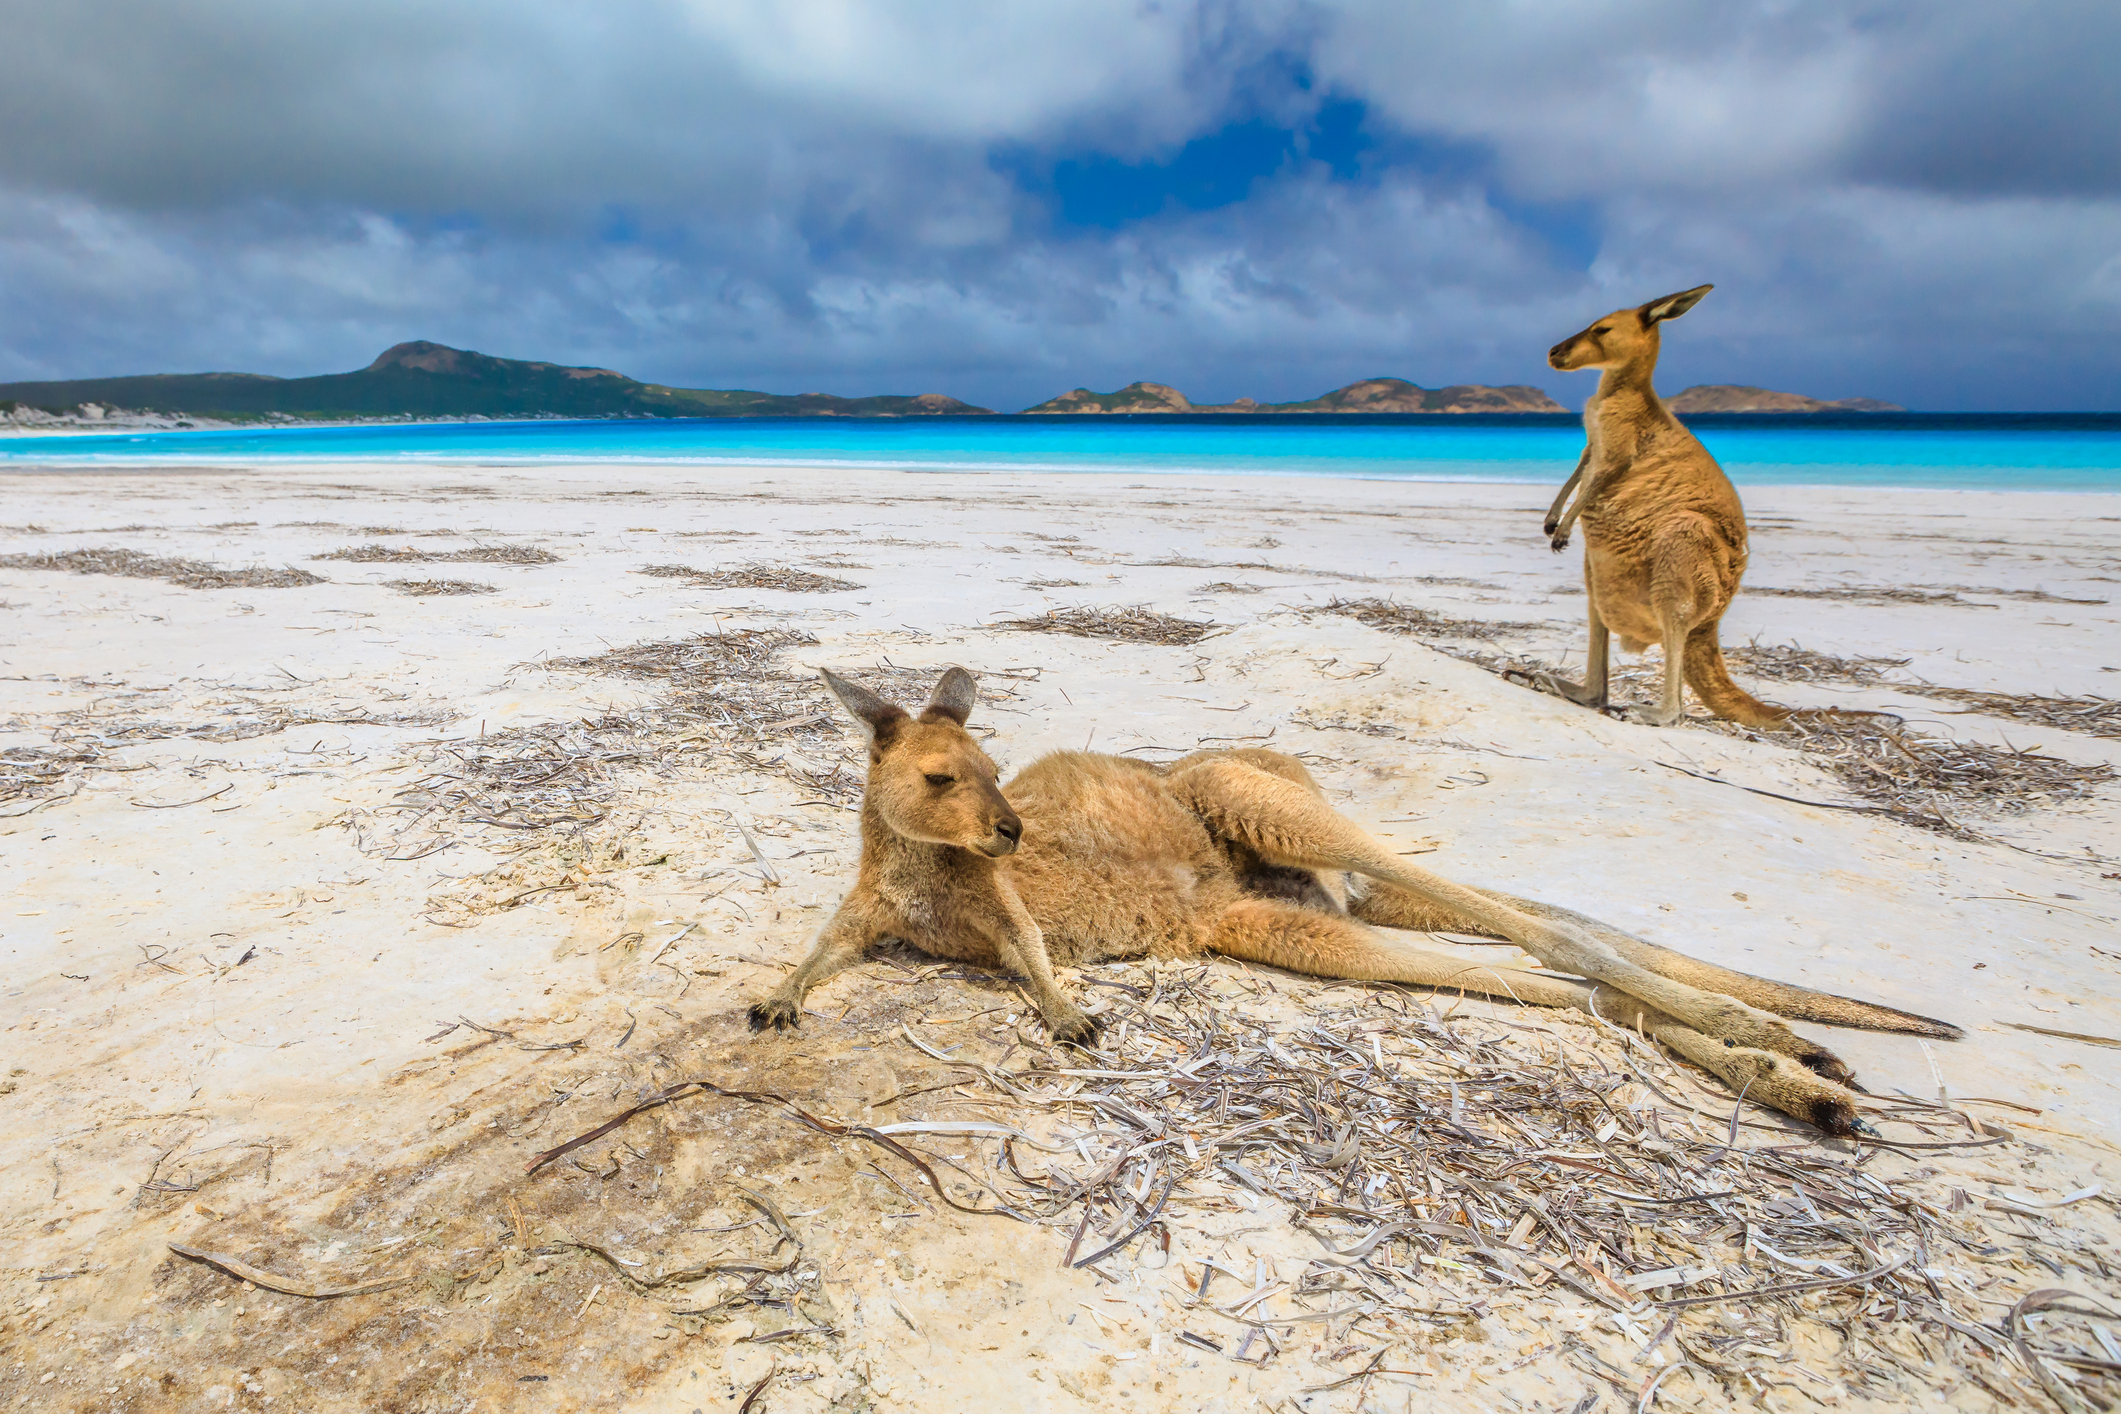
(1287, 825)
(1023, 949)
(1552, 525)
(840, 945)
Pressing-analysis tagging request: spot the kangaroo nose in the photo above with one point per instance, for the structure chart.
(1011, 830)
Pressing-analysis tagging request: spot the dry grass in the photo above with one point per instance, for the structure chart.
(1394, 617)
(1791, 663)
(189, 574)
(1043, 584)
(1136, 624)
(425, 588)
(476, 555)
(1224, 586)
(782, 577)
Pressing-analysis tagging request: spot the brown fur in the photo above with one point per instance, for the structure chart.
(1086, 857)
(1664, 535)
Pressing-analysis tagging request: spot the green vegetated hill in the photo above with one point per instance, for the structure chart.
(1369, 395)
(422, 379)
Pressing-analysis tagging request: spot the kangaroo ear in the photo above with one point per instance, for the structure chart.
(953, 697)
(863, 705)
(1672, 306)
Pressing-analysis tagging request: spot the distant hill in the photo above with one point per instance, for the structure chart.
(422, 379)
(1736, 397)
(1398, 395)
(1370, 395)
(1135, 397)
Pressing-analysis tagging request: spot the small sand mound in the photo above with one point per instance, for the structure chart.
(190, 574)
(1136, 624)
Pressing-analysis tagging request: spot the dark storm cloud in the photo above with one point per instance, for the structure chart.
(1263, 198)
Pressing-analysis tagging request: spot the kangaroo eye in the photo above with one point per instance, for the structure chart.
(1603, 329)
(935, 780)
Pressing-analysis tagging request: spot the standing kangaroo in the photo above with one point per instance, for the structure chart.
(1236, 852)
(1664, 535)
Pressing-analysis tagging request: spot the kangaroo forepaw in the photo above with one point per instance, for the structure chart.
(1555, 542)
(778, 1012)
(1074, 1027)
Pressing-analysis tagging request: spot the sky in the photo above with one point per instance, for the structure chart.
(1002, 201)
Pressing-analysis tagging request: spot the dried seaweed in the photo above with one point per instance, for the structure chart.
(729, 698)
(2094, 716)
(1923, 773)
(424, 588)
(37, 772)
(476, 555)
(1792, 663)
(1135, 624)
(759, 576)
(1422, 1166)
(1395, 617)
(188, 574)
(1859, 594)
(1224, 586)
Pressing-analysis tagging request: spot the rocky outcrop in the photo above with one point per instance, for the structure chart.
(1135, 397)
(1737, 397)
(1398, 395)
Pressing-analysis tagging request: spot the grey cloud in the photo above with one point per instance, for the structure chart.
(1896, 201)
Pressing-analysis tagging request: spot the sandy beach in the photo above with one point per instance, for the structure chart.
(331, 904)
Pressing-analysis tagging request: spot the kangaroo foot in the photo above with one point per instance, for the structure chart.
(1656, 716)
(780, 1013)
(1576, 692)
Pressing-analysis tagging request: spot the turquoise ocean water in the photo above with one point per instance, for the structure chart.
(2044, 452)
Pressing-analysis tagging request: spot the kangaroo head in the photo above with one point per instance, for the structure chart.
(928, 778)
(1625, 336)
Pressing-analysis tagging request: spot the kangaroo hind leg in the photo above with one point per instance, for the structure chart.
(1329, 945)
(1288, 825)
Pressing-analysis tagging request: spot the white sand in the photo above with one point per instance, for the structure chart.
(139, 1048)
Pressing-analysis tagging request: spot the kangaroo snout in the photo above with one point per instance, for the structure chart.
(1008, 834)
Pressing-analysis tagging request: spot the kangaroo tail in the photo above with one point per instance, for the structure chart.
(1712, 683)
(1387, 907)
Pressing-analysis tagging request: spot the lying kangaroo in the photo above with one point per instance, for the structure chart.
(1664, 535)
(1236, 852)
